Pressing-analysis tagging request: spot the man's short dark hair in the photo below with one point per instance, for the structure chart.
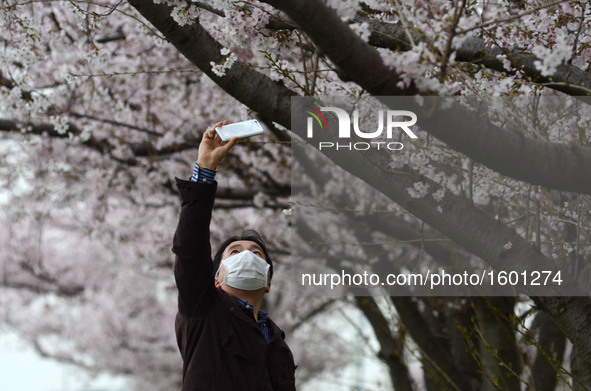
(250, 235)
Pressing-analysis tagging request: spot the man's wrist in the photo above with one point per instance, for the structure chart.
(207, 164)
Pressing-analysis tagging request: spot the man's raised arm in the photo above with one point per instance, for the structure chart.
(193, 266)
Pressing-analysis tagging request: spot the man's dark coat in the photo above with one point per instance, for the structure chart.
(221, 345)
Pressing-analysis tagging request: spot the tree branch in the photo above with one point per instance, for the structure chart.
(116, 123)
(62, 358)
(58, 289)
(242, 82)
(557, 166)
(344, 48)
(103, 146)
(567, 78)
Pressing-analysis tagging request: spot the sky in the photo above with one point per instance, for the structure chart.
(21, 369)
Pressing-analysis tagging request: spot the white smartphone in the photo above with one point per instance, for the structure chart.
(239, 129)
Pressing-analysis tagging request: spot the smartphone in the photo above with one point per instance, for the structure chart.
(240, 129)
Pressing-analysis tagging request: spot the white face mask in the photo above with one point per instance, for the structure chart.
(245, 271)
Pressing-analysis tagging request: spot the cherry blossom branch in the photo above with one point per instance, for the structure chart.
(115, 36)
(208, 7)
(226, 194)
(513, 17)
(146, 149)
(9, 125)
(432, 349)
(473, 229)
(553, 165)
(229, 193)
(116, 123)
(107, 13)
(240, 81)
(567, 78)
(103, 146)
(60, 290)
(250, 204)
(458, 11)
(59, 357)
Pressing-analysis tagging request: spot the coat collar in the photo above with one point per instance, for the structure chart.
(236, 310)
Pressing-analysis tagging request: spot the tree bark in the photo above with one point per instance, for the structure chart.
(581, 371)
(572, 315)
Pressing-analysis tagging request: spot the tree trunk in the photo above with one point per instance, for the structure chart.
(549, 355)
(391, 348)
(499, 354)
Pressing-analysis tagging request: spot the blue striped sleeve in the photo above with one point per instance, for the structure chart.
(203, 174)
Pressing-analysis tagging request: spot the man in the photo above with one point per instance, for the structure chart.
(226, 342)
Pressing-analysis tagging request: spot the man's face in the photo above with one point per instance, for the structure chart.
(233, 249)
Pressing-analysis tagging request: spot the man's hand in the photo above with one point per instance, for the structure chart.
(212, 149)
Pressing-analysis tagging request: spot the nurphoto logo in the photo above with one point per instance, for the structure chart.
(386, 119)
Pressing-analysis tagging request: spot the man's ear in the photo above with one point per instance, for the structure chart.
(219, 277)
(268, 288)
